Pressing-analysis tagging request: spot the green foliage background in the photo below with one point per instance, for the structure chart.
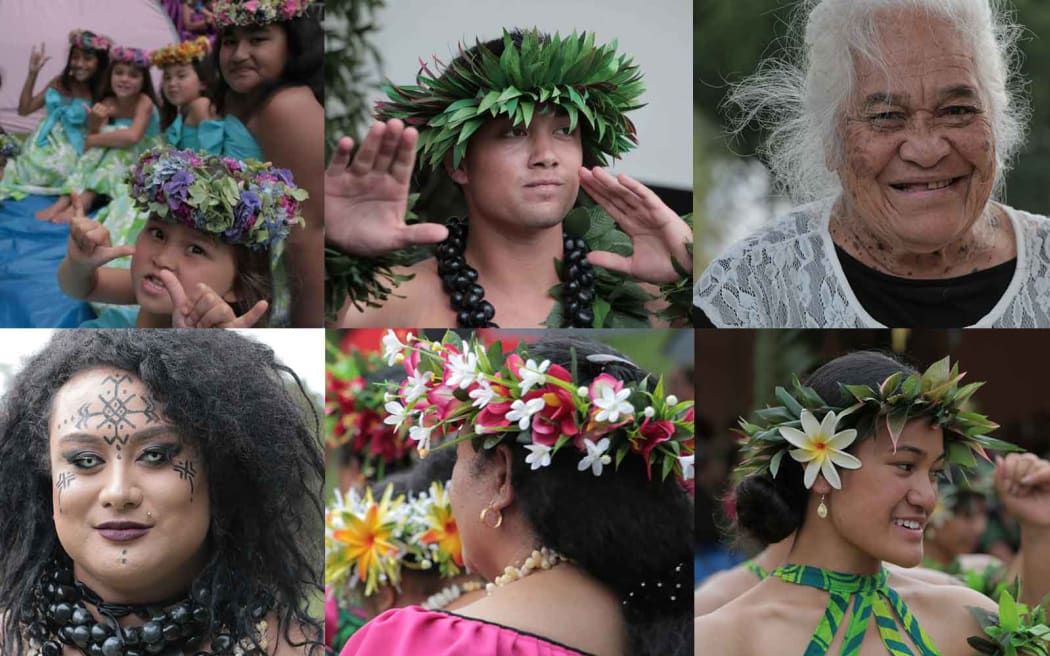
(730, 37)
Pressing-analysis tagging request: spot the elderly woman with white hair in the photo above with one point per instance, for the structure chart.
(892, 132)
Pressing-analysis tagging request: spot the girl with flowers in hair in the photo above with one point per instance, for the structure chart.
(186, 77)
(121, 126)
(202, 259)
(270, 59)
(570, 490)
(53, 149)
(850, 461)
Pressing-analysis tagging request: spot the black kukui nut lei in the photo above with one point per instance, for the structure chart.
(56, 615)
(467, 297)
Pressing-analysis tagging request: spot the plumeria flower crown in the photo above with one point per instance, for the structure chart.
(135, 56)
(589, 83)
(257, 12)
(186, 52)
(458, 390)
(86, 40)
(806, 428)
(369, 543)
(242, 202)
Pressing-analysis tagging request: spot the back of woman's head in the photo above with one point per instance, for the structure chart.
(633, 534)
(768, 509)
(255, 428)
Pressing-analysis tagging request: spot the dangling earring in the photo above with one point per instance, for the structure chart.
(822, 510)
(484, 517)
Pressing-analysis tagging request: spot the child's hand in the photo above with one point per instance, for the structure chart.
(37, 59)
(89, 241)
(101, 111)
(205, 308)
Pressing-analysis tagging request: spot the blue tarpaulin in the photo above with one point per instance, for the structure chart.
(30, 252)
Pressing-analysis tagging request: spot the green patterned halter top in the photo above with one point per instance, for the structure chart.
(870, 596)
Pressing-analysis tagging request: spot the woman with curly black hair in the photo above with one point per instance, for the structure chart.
(159, 494)
(570, 496)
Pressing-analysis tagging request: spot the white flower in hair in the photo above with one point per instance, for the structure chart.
(482, 394)
(596, 457)
(421, 434)
(539, 455)
(612, 404)
(396, 414)
(416, 385)
(821, 448)
(392, 347)
(532, 374)
(464, 370)
(687, 466)
(522, 411)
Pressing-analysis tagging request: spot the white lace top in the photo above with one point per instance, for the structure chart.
(787, 275)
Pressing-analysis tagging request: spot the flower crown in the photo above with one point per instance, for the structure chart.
(355, 417)
(951, 489)
(86, 40)
(186, 52)
(935, 395)
(369, 542)
(247, 203)
(135, 56)
(257, 12)
(569, 74)
(461, 390)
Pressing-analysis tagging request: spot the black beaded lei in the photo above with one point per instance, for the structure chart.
(57, 616)
(467, 297)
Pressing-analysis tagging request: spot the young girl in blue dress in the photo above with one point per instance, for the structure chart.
(186, 77)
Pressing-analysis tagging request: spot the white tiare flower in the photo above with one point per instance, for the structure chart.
(482, 394)
(583, 392)
(672, 399)
(464, 370)
(539, 455)
(421, 434)
(395, 414)
(649, 411)
(392, 347)
(612, 404)
(522, 411)
(596, 457)
(532, 374)
(416, 385)
(687, 467)
(821, 448)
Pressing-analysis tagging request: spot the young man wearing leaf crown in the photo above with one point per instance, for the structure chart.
(512, 122)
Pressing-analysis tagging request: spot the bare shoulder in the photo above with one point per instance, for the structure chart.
(943, 611)
(289, 104)
(721, 588)
(724, 628)
(416, 303)
(199, 110)
(925, 574)
(979, 562)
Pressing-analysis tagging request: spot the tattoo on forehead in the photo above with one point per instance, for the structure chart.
(187, 472)
(117, 409)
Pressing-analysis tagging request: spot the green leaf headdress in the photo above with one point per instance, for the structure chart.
(570, 74)
(935, 395)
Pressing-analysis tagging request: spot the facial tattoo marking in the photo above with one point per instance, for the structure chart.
(187, 472)
(63, 482)
(116, 409)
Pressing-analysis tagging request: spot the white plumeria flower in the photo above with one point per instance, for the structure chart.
(649, 411)
(539, 455)
(421, 434)
(464, 370)
(392, 347)
(687, 467)
(522, 411)
(612, 404)
(821, 448)
(416, 385)
(395, 414)
(672, 399)
(482, 394)
(532, 374)
(596, 457)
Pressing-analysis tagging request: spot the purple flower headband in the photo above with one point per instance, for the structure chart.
(135, 56)
(86, 40)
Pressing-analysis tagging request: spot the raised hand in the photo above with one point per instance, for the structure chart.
(89, 244)
(365, 202)
(206, 309)
(37, 59)
(657, 233)
(1023, 484)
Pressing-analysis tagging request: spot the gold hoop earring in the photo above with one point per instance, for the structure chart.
(822, 509)
(484, 517)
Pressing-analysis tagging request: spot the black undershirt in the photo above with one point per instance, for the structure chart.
(904, 302)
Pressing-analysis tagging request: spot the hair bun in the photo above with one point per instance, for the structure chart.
(766, 511)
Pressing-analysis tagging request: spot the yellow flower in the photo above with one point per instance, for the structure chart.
(367, 540)
(443, 530)
(821, 448)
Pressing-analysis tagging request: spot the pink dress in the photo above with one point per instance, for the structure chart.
(414, 631)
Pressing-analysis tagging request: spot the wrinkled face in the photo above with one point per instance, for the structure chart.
(468, 497)
(522, 177)
(919, 160)
(249, 56)
(193, 256)
(180, 84)
(884, 506)
(126, 80)
(130, 498)
(82, 64)
(961, 533)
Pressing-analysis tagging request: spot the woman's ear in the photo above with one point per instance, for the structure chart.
(385, 598)
(459, 173)
(504, 485)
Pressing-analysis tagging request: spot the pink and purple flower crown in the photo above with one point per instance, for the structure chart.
(241, 13)
(242, 202)
(136, 56)
(86, 40)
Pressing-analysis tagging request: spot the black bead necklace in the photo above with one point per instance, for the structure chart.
(467, 297)
(57, 615)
